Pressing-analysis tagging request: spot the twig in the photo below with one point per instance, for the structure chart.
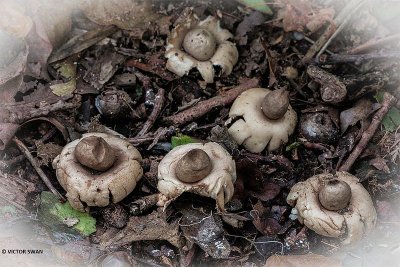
(374, 43)
(388, 102)
(141, 205)
(81, 42)
(23, 112)
(339, 29)
(158, 105)
(160, 133)
(344, 13)
(203, 107)
(335, 58)
(152, 69)
(35, 165)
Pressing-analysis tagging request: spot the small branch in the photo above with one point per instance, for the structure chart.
(23, 112)
(141, 205)
(340, 28)
(168, 76)
(375, 43)
(330, 30)
(35, 165)
(357, 59)
(158, 105)
(388, 102)
(203, 107)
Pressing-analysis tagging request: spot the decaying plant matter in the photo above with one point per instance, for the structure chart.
(98, 169)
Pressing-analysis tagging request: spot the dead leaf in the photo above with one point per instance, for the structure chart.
(52, 24)
(263, 220)
(268, 191)
(360, 111)
(247, 25)
(205, 229)
(309, 260)
(104, 67)
(125, 14)
(299, 15)
(254, 182)
(13, 57)
(150, 227)
(380, 164)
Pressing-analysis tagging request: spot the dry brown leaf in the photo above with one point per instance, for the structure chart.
(360, 111)
(380, 164)
(309, 260)
(297, 15)
(149, 227)
(263, 221)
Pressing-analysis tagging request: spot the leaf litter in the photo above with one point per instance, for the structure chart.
(124, 56)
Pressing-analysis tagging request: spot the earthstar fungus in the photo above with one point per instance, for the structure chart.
(205, 169)
(334, 206)
(98, 169)
(200, 44)
(261, 118)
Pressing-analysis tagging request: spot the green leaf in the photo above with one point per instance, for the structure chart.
(67, 69)
(259, 5)
(391, 121)
(55, 213)
(292, 146)
(182, 139)
(379, 96)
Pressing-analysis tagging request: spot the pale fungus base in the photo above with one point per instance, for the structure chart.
(252, 129)
(181, 62)
(352, 223)
(218, 184)
(86, 187)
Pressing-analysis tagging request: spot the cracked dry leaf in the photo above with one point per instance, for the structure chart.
(150, 227)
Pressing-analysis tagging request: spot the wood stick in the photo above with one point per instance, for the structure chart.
(35, 165)
(388, 102)
(330, 30)
(159, 103)
(205, 106)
